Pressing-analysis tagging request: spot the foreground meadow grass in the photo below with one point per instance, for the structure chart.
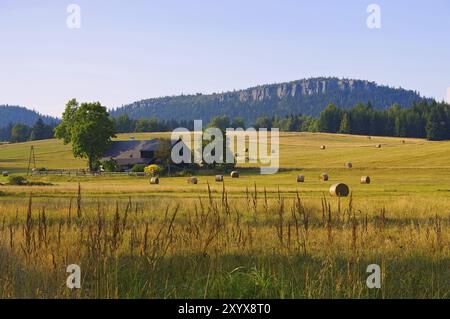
(252, 237)
(216, 247)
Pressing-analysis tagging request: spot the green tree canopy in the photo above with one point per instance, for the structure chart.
(330, 119)
(238, 122)
(20, 133)
(222, 122)
(41, 131)
(345, 125)
(88, 127)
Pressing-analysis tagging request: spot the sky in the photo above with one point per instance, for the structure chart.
(125, 51)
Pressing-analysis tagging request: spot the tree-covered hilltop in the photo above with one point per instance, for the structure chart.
(10, 114)
(422, 120)
(308, 97)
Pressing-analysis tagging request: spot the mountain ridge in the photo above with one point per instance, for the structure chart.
(305, 96)
(19, 114)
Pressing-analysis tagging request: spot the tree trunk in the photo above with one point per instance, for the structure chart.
(90, 163)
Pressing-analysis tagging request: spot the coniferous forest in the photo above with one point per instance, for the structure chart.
(430, 120)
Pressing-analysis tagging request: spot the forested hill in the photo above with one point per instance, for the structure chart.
(308, 97)
(17, 114)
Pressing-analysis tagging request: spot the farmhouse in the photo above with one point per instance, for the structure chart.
(129, 153)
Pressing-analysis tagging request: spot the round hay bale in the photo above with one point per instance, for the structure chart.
(365, 180)
(322, 147)
(5, 173)
(369, 137)
(300, 178)
(324, 177)
(192, 180)
(234, 174)
(403, 141)
(219, 178)
(154, 180)
(339, 190)
(349, 165)
(378, 145)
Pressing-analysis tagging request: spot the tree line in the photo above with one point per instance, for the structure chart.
(124, 124)
(430, 120)
(19, 132)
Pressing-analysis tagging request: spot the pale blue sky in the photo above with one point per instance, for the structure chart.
(131, 50)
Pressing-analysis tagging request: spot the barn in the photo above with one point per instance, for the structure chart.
(132, 152)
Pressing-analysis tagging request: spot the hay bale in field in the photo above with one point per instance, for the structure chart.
(349, 165)
(324, 177)
(234, 174)
(192, 180)
(369, 137)
(403, 141)
(154, 180)
(5, 173)
(300, 178)
(365, 180)
(219, 178)
(322, 147)
(378, 146)
(339, 190)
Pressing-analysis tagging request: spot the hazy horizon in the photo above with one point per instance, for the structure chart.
(125, 52)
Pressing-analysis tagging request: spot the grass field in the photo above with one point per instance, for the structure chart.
(252, 237)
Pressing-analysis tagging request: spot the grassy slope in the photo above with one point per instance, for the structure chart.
(298, 150)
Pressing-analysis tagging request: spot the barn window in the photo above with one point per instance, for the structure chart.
(147, 154)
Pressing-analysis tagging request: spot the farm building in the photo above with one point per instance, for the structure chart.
(129, 153)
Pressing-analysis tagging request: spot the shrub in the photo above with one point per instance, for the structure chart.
(138, 168)
(152, 170)
(111, 166)
(17, 180)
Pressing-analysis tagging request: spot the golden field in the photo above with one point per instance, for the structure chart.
(253, 237)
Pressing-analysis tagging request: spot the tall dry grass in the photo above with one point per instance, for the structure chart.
(222, 247)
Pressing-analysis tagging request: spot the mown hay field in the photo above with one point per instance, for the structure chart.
(252, 237)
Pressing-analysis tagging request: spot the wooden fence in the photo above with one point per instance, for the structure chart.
(66, 172)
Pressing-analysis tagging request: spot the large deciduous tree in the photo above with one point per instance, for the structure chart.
(88, 127)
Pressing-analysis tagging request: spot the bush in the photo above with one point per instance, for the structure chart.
(17, 180)
(138, 168)
(111, 166)
(152, 170)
